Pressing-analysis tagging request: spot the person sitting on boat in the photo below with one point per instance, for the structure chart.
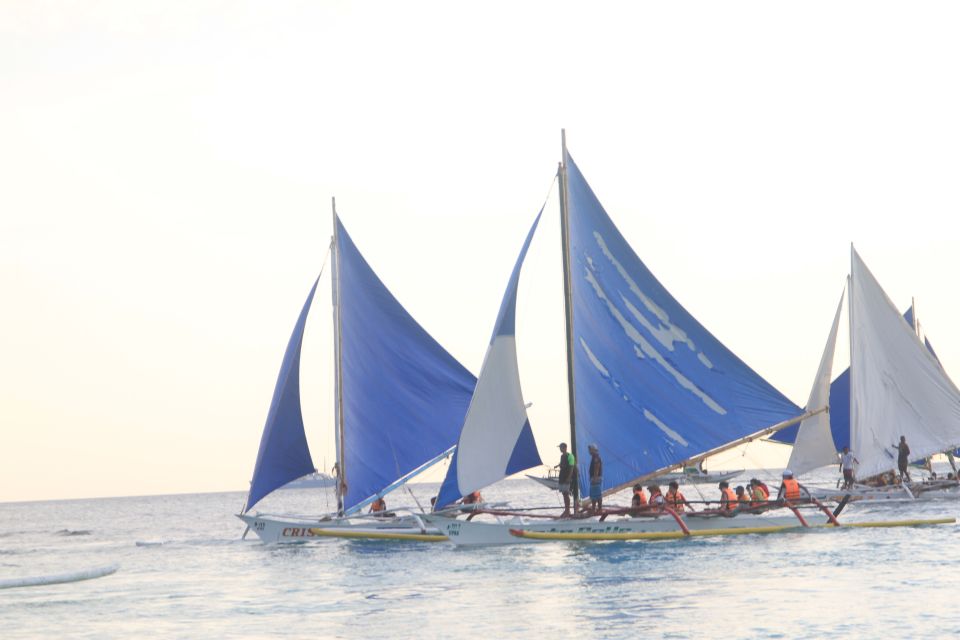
(790, 489)
(639, 502)
(742, 496)
(472, 498)
(675, 499)
(596, 478)
(759, 491)
(378, 506)
(564, 479)
(656, 497)
(728, 499)
(847, 460)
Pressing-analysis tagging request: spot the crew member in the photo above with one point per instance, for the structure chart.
(596, 478)
(565, 477)
(847, 460)
(903, 457)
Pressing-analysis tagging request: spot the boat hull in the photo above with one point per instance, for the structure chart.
(486, 532)
(297, 529)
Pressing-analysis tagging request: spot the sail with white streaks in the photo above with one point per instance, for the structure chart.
(652, 387)
(897, 385)
(814, 447)
(496, 440)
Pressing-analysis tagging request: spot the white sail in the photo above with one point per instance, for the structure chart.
(814, 447)
(897, 387)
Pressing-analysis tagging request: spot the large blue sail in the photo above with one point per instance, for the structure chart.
(653, 387)
(496, 440)
(840, 404)
(404, 396)
(284, 454)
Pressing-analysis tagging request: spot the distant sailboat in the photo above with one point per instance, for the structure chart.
(897, 387)
(400, 402)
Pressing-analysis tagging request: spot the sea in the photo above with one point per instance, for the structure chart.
(185, 570)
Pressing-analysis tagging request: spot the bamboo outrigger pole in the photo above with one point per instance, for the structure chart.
(568, 308)
(712, 452)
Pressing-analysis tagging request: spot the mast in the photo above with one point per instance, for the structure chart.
(853, 445)
(568, 309)
(341, 487)
(913, 312)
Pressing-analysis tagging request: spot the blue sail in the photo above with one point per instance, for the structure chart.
(653, 387)
(284, 454)
(496, 440)
(840, 404)
(404, 396)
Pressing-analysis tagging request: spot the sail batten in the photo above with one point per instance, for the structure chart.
(653, 387)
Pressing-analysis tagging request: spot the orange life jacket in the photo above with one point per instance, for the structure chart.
(378, 505)
(731, 499)
(791, 489)
(473, 498)
(675, 501)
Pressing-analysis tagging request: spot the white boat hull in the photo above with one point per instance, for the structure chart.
(892, 494)
(291, 529)
(487, 532)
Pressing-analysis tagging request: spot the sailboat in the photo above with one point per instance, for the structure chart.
(646, 382)
(400, 400)
(898, 387)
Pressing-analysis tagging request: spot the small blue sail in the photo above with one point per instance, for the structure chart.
(496, 440)
(284, 454)
(404, 396)
(840, 404)
(652, 386)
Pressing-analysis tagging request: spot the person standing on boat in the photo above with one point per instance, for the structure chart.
(903, 457)
(675, 499)
(596, 478)
(567, 465)
(847, 460)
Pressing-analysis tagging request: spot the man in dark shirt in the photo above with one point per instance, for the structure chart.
(596, 478)
(903, 457)
(567, 465)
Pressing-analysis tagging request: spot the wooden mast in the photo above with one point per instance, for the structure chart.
(568, 316)
(341, 487)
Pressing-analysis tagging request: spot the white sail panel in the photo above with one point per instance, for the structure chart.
(897, 387)
(494, 421)
(814, 447)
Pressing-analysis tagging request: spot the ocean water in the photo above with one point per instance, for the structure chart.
(185, 572)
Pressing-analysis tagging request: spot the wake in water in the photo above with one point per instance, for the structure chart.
(78, 532)
(58, 578)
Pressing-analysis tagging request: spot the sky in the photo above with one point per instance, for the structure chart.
(167, 169)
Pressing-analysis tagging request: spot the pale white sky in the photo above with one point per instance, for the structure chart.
(166, 172)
